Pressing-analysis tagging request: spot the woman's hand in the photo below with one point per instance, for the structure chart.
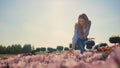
(73, 45)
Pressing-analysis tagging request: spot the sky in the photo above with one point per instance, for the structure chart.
(49, 23)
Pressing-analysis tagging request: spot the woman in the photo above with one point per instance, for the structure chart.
(81, 32)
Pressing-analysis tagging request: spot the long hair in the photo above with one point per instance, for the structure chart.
(80, 27)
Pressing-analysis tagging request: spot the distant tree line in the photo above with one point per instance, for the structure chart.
(50, 49)
(113, 39)
(15, 49)
(27, 48)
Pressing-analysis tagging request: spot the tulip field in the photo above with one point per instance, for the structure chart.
(103, 57)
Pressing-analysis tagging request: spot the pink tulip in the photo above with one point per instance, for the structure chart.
(73, 59)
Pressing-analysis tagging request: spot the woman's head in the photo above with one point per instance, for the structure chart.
(83, 19)
(82, 24)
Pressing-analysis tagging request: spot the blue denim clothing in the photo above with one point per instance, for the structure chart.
(80, 43)
(75, 36)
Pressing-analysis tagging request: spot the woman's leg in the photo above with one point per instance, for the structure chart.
(83, 42)
(81, 45)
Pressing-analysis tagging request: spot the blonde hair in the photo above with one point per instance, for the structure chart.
(79, 26)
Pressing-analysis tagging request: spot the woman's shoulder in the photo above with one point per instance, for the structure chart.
(76, 25)
(90, 22)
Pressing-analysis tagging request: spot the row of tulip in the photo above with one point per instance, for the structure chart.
(66, 59)
(106, 48)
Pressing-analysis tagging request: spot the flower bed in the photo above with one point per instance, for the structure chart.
(67, 59)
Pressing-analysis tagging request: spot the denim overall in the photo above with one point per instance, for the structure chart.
(80, 43)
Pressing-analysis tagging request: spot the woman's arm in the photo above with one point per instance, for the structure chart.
(74, 39)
